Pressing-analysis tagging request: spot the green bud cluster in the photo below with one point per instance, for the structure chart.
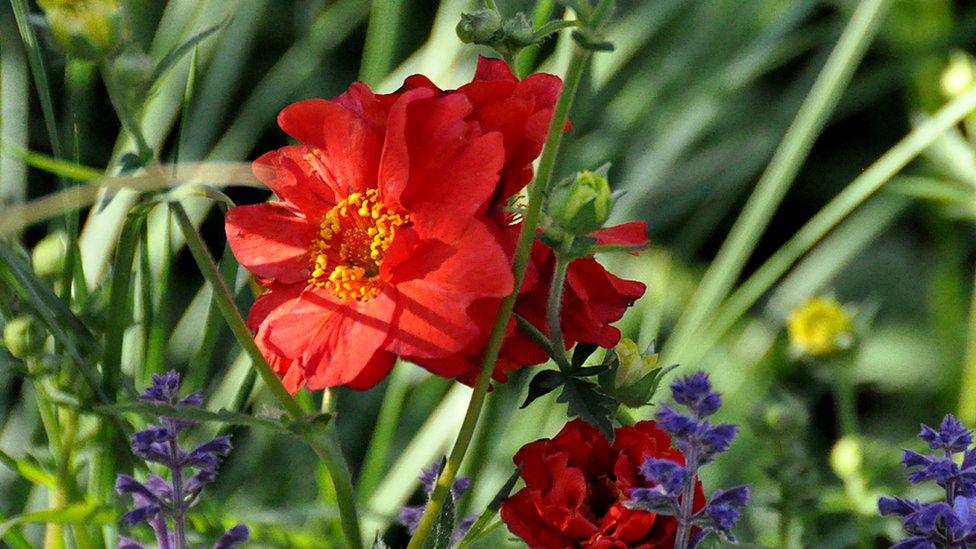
(486, 27)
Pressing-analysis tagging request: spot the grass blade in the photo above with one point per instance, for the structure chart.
(779, 175)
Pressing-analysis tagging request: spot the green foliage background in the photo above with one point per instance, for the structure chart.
(689, 109)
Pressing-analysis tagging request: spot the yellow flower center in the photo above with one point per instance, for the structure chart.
(353, 237)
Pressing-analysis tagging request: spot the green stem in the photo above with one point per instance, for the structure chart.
(776, 180)
(327, 450)
(967, 388)
(845, 396)
(547, 164)
(555, 305)
(129, 122)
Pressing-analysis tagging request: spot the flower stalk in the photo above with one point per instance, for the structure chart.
(326, 450)
(530, 221)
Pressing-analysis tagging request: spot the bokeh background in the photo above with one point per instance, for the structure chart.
(689, 109)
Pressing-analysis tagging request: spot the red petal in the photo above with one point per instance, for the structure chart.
(493, 69)
(348, 147)
(628, 234)
(438, 283)
(293, 179)
(270, 240)
(335, 341)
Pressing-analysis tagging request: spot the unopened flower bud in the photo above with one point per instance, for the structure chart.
(48, 255)
(634, 376)
(958, 76)
(518, 31)
(22, 337)
(820, 327)
(846, 457)
(631, 364)
(581, 205)
(90, 29)
(479, 27)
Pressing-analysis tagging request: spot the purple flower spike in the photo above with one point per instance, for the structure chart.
(947, 523)
(700, 442)
(164, 503)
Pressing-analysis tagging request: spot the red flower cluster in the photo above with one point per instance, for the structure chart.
(576, 484)
(389, 239)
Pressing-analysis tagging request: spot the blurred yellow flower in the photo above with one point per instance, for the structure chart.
(85, 28)
(819, 327)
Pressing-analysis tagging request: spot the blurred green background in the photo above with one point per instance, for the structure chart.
(689, 109)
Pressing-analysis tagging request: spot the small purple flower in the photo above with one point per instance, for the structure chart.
(158, 500)
(951, 522)
(234, 537)
(700, 442)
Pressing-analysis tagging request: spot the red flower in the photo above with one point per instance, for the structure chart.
(575, 486)
(380, 239)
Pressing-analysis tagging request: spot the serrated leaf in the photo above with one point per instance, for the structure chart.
(543, 383)
(587, 403)
(440, 536)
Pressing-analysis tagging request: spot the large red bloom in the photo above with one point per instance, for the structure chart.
(384, 234)
(575, 486)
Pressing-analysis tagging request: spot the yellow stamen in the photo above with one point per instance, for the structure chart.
(353, 238)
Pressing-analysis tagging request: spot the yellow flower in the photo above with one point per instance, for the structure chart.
(819, 327)
(85, 28)
(632, 364)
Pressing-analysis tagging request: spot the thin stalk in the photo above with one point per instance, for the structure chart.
(683, 538)
(845, 397)
(779, 175)
(327, 450)
(530, 221)
(858, 191)
(967, 396)
(554, 308)
(179, 511)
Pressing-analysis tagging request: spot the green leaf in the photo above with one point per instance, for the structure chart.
(178, 52)
(581, 352)
(76, 513)
(30, 471)
(586, 402)
(543, 383)
(151, 409)
(440, 536)
(482, 525)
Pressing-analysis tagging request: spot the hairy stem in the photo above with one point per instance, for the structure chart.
(554, 305)
(547, 164)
